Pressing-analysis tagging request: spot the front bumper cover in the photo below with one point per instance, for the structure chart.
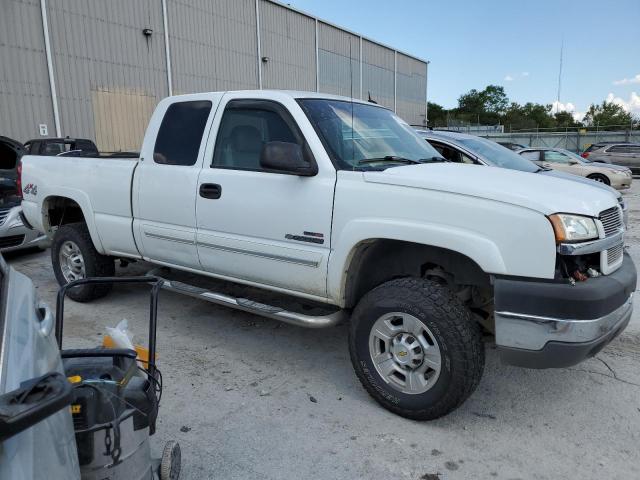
(546, 324)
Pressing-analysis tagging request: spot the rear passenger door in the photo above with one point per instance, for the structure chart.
(166, 181)
(259, 226)
(623, 155)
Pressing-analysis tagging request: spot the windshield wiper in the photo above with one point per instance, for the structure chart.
(388, 158)
(394, 158)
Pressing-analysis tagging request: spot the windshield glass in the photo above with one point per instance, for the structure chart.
(574, 156)
(359, 136)
(497, 154)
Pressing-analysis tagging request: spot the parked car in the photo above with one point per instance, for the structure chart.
(625, 154)
(13, 234)
(470, 149)
(75, 147)
(341, 205)
(617, 176)
(511, 145)
(37, 440)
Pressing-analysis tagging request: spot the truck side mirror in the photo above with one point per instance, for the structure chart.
(285, 157)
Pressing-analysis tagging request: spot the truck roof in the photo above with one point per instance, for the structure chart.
(295, 94)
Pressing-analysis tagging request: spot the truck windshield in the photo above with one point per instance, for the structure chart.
(359, 136)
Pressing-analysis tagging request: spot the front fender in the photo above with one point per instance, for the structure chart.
(471, 244)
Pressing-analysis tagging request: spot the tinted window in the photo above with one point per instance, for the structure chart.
(618, 149)
(634, 149)
(452, 154)
(244, 131)
(592, 147)
(180, 133)
(533, 155)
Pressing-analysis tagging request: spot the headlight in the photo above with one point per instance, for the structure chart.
(573, 228)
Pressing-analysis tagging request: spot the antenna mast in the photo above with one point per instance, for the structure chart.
(560, 75)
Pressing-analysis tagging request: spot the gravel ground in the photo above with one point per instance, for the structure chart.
(249, 398)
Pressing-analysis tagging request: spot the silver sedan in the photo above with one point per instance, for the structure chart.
(14, 235)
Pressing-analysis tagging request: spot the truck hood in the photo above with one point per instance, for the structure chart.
(543, 193)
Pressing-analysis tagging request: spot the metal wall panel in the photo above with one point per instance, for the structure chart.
(378, 73)
(287, 38)
(213, 45)
(25, 99)
(339, 61)
(99, 46)
(411, 90)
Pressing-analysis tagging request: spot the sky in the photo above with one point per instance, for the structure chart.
(516, 44)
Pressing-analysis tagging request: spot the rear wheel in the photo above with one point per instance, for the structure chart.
(599, 178)
(415, 348)
(74, 256)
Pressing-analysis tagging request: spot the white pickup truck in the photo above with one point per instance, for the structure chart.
(339, 204)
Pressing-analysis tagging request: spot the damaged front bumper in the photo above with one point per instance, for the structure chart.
(548, 324)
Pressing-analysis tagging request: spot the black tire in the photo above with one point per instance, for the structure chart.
(171, 462)
(458, 336)
(95, 264)
(599, 178)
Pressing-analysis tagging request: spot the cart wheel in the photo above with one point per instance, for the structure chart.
(170, 463)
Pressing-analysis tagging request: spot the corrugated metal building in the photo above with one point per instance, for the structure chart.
(96, 69)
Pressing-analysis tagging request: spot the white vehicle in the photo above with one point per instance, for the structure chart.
(340, 204)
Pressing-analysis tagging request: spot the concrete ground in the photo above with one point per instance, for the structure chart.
(249, 398)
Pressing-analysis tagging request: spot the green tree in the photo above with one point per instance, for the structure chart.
(528, 116)
(485, 106)
(607, 114)
(437, 115)
(565, 119)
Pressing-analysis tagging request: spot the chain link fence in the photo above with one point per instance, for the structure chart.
(575, 140)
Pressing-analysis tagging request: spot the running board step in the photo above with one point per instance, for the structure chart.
(251, 306)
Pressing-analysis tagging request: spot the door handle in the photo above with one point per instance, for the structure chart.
(210, 190)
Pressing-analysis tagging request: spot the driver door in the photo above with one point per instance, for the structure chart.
(260, 226)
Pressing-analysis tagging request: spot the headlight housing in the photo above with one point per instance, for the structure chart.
(573, 228)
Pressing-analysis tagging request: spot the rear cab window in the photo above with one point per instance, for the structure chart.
(180, 134)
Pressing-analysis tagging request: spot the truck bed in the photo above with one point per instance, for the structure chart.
(101, 186)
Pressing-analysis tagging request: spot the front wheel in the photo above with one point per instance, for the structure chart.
(415, 348)
(74, 256)
(599, 178)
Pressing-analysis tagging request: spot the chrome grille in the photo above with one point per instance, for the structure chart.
(611, 221)
(614, 254)
(4, 213)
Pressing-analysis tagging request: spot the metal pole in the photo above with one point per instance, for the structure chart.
(258, 44)
(361, 98)
(317, 59)
(52, 81)
(165, 22)
(426, 95)
(395, 81)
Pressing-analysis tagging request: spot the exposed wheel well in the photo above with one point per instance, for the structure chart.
(380, 260)
(60, 211)
(595, 176)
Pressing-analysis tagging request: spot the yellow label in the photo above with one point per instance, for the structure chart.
(76, 408)
(75, 379)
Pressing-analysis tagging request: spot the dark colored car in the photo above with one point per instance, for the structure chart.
(511, 145)
(79, 147)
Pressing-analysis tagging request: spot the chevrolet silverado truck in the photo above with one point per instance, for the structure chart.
(322, 208)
